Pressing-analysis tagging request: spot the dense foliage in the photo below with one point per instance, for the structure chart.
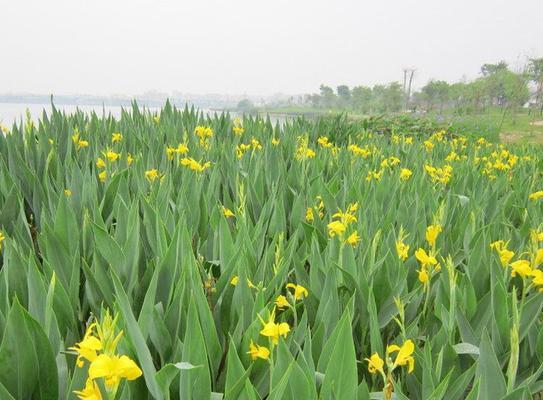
(182, 256)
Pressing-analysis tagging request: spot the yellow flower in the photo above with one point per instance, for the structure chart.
(257, 351)
(275, 141)
(112, 156)
(432, 233)
(169, 152)
(299, 291)
(336, 228)
(273, 330)
(113, 369)
(428, 145)
(116, 137)
(87, 349)
(182, 148)
(227, 212)
(67, 192)
(405, 174)
(194, 165)
(151, 175)
(2, 238)
(323, 142)
(309, 214)
(425, 258)
(402, 249)
(100, 163)
(404, 356)
(423, 275)
(505, 255)
(129, 159)
(238, 130)
(347, 217)
(82, 143)
(536, 195)
(90, 392)
(234, 281)
(522, 268)
(538, 258)
(537, 278)
(102, 176)
(281, 302)
(353, 239)
(375, 364)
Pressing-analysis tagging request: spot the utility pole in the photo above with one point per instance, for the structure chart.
(408, 74)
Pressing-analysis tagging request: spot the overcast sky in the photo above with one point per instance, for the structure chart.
(254, 46)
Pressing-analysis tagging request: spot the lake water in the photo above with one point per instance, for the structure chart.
(14, 112)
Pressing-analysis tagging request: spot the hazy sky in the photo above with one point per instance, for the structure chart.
(254, 46)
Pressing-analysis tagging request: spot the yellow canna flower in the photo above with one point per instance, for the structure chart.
(537, 278)
(151, 174)
(227, 212)
(299, 291)
(116, 137)
(273, 330)
(67, 192)
(402, 249)
(102, 176)
(405, 174)
(423, 275)
(112, 156)
(113, 369)
(353, 239)
(194, 165)
(182, 148)
(538, 258)
(87, 349)
(309, 214)
(90, 392)
(336, 228)
(521, 268)
(404, 356)
(275, 141)
(257, 351)
(505, 255)
(428, 145)
(375, 364)
(100, 163)
(536, 195)
(238, 130)
(424, 258)
(234, 281)
(432, 233)
(281, 302)
(82, 143)
(169, 152)
(129, 159)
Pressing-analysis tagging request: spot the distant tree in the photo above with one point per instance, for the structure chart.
(361, 98)
(328, 96)
(535, 74)
(394, 97)
(245, 105)
(344, 95)
(491, 69)
(436, 93)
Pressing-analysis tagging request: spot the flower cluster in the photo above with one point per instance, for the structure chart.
(98, 349)
(340, 223)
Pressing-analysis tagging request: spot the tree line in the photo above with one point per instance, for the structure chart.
(497, 86)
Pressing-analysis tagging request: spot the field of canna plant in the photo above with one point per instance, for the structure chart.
(176, 255)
